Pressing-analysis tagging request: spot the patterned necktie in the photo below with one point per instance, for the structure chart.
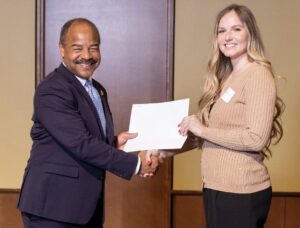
(97, 102)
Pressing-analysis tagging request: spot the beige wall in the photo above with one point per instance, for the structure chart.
(194, 20)
(17, 86)
(279, 23)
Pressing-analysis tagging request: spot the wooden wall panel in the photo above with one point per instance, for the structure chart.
(188, 211)
(9, 215)
(136, 67)
(276, 215)
(292, 212)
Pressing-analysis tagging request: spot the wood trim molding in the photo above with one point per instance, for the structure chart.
(200, 193)
(286, 194)
(8, 190)
(40, 41)
(175, 192)
(170, 50)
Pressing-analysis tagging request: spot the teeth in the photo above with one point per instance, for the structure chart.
(229, 45)
(85, 65)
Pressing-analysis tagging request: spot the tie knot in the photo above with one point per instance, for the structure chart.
(88, 84)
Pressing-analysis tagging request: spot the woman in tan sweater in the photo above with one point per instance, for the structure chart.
(238, 117)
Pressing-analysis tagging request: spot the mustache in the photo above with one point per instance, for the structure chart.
(90, 61)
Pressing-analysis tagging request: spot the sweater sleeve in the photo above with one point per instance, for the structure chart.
(260, 98)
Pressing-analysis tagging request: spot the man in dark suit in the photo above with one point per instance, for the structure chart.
(73, 140)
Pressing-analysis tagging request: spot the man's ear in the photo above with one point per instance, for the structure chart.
(62, 50)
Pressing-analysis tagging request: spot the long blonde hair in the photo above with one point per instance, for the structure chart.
(219, 68)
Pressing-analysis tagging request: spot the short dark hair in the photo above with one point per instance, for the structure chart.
(65, 28)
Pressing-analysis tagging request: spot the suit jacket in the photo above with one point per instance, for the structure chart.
(64, 177)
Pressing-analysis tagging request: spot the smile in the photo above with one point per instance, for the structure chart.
(86, 66)
(230, 45)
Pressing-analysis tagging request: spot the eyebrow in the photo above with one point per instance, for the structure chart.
(237, 25)
(80, 45)
(76, 45)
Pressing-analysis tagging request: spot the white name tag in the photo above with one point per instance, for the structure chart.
(226, 97)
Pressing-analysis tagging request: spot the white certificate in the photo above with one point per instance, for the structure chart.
(157, 125)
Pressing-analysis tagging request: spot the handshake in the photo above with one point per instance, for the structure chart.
(150, 161)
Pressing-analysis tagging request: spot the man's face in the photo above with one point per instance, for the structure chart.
(80, 51)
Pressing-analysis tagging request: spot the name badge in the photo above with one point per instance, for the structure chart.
(226, 97)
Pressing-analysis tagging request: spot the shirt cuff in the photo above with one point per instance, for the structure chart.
(137, 169)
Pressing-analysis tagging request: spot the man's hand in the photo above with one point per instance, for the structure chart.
(161, 154)
(124, 137)
(147, 168)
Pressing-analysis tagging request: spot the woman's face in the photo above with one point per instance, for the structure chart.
(232, 37)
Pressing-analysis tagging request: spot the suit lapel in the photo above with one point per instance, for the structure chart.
(108, 117)
(73, 80)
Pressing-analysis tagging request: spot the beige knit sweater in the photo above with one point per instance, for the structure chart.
(239, 127)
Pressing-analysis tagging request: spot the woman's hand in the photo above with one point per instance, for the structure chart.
(192, 124)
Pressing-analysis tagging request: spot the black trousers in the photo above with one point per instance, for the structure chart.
(33, 221)
(231, 210)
